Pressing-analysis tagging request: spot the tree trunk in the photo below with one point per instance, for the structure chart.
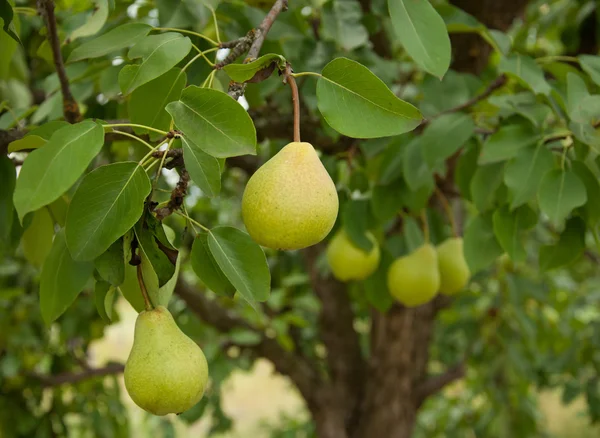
(384, 400)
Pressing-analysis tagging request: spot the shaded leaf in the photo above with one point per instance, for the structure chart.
(484, 185)
(560, 192)
(355, 219)
(445, 135)
(8, 177)
(206, 268)
(341, 22)
(111, 263)
(37, 237)
(509, 227)
(523, 174)
(62, 279)
(375, 286)
(591, 65)
(242, 261)
(527, 70)
(204, 169)
(591, 209)
(507, 142)
(477, 254)
(570, 246)
(245, 72)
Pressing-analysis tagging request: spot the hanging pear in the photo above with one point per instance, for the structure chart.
(291, 201)
(348, 262)
(166, 371)
(414, 279)
(454, 271)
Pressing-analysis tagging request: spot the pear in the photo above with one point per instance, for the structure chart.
(291, 201)
(414, 279)
(166, 371)
(348, 262)
(454, 272)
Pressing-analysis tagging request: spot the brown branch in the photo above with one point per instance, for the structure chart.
(70, 107)
(496, 83)
(434, 384)
(177, 195)
(240, 47)
(71, 378)
(236, 90)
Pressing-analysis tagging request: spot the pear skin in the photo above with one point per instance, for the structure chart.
(166, 371)
(454, 271)
(291, 201)
(348, 262)
(414, 279)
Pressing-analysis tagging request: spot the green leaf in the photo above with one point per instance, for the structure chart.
(507, 142)
(466, 166)
(417, 173)
(577, 91)
(37, 237)
(422, 32)
(358, 104)
(159, 295)
(206, 268)
(37, 137)
(116, 39)
(481, 248)
(62, 279)
(376, 289)
(130, 288)
(242, 261)
(244, 72)
(58, 210)
(591, 65)
(355, 219)
(509, 227)
(107, 203)
(94, 22)
(156, 248)
(458, 20)
(523, 174)
(527, 70)
(203, 168)
(413, 234)
(215, 122)
(591, 209)
(560, 192)
(391, 162)
(445, 135)
(103, 299)
(50, 171)
(484, 185)
(8, 178)
(570, 246)
(147, 103)
(159, 53)
(585, 133)
(6, 13)
(385, 202)
(111, 263)
(341, 23)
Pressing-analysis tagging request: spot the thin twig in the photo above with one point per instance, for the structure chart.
(289, 79)
(497, 83)
(236, 90)
(147, 302)
(448, 210)
(64, 378)
(70, 106)
(436, 383)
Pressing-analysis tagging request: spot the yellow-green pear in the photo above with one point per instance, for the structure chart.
(166, 371)
(454, 272)
(414, 279)
(291, 201)
(348, 262)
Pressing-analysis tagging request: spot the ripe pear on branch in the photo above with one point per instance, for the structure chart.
(290, 202)
(454, 271)
(415, 279)
(348, 262)
(166, 371)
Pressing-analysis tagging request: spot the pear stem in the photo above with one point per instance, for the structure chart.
(289, 79)
(425, 225)
(448, 210)
(143, 288)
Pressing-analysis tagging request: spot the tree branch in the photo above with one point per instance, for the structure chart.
(70, 107)
(434, 384)
(68, 377)
(236, 90)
